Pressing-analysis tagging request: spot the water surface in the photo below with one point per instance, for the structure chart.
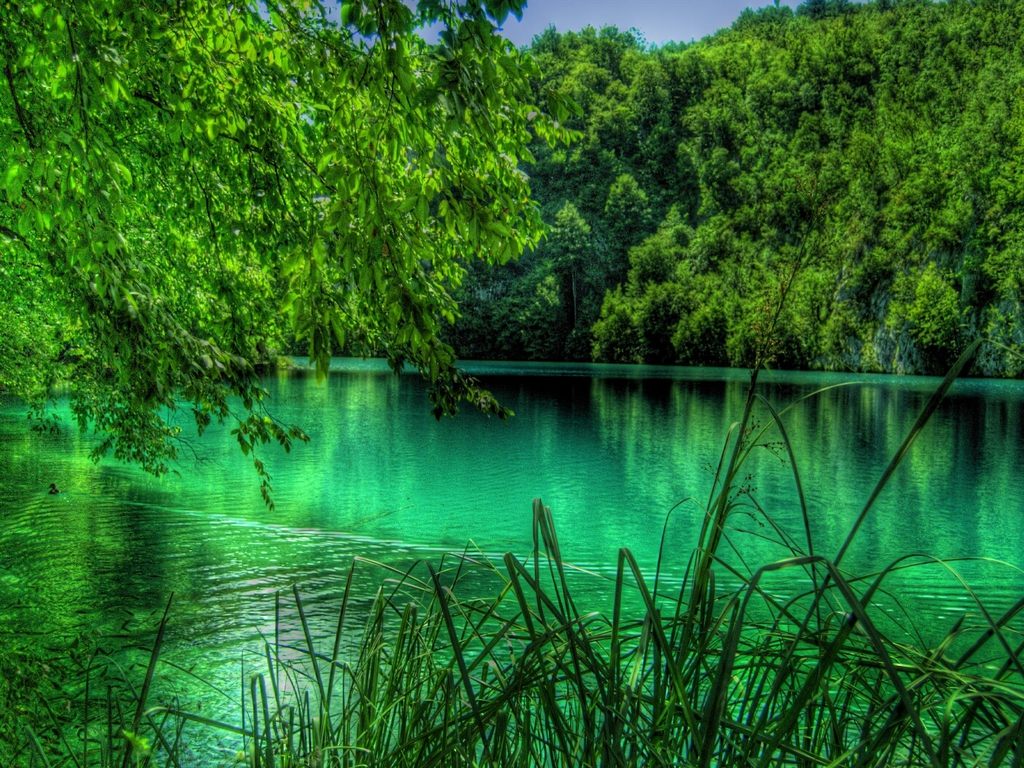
(610, 448)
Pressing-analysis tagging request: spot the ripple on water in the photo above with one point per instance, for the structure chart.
(611, 454)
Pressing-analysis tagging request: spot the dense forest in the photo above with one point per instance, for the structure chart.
(878, 144)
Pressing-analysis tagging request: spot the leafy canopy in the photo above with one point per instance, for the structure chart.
(899, 123)
(186, 187)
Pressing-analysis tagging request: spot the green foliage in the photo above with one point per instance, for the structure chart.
(540, 316)
(578, 270)
(673, 309)
(603, 178)
(934, 314)
(617, 333)
(59, 690)
(898, 126)
(185, 190)
(628, 214)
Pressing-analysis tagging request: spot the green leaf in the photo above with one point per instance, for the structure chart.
(296, 258)
(124, 173)
(339, 330)
(10, 177)
(319, 252)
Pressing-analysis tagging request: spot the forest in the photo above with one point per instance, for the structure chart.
(884, 139)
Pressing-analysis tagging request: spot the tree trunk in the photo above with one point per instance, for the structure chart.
(574, 298)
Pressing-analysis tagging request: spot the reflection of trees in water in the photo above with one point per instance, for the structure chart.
(955, 494)
(610, 456)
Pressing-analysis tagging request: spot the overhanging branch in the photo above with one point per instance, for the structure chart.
(10, 234)
(22, 118)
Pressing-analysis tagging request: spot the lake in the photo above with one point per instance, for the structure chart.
(610, 448)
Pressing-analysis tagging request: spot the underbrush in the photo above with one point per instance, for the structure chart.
(687, 673)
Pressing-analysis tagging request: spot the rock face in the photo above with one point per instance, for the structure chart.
(896, 351)
(874, 337)
(1003, 325)
(892, 348)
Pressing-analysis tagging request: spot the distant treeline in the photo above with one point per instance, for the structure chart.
(881, 144)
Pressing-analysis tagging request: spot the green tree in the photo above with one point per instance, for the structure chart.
(538, 319)
(628, 214)
(617, 333)
(570, 248)
(934, 315)
(582, 266)
(184, 186)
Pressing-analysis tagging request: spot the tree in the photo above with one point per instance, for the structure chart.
(570, 248)
(182, 186)
(582, 265)
(935, 316)
(821, 9)
(629, 221)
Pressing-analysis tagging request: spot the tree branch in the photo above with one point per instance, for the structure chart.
(12, 235)
(151, 100)
(22, 119)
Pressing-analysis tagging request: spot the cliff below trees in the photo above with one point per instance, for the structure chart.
(881, 144)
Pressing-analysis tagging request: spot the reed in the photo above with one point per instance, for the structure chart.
(696, 676)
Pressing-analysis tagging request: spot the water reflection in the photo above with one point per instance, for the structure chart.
(611, 454)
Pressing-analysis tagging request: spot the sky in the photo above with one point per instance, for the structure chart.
(661, 21)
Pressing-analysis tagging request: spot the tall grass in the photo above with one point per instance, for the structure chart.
(699, 675)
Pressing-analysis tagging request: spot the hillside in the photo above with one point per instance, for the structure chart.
(878, 145)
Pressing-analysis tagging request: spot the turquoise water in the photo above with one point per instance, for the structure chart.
(611, 449)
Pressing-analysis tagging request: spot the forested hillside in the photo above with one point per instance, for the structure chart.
(881, 144)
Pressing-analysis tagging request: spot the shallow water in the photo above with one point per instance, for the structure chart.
(610, 449)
